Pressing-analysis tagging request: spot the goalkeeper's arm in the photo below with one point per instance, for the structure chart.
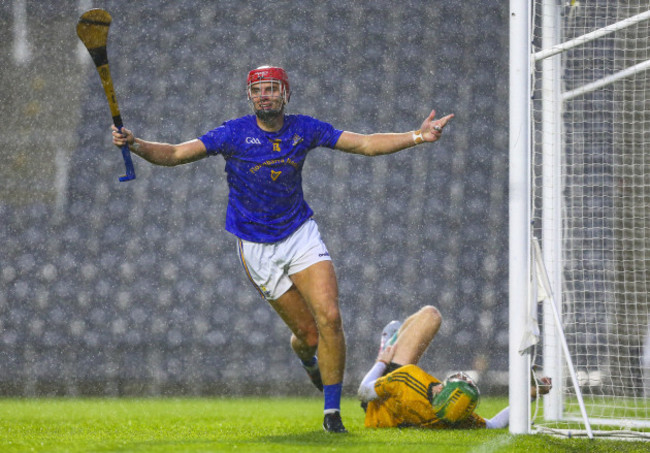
(366, 390)
(500, 420)
(542, 386)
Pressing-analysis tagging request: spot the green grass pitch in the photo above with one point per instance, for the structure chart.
(244, 425)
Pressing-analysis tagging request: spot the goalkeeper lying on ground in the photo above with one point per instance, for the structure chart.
(397, 393)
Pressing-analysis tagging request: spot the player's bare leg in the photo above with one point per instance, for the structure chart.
(293, 310)
(305, 349)
(417, 331)
(317, 284)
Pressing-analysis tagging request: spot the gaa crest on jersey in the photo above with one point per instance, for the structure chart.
(275, 174)
(296, 139)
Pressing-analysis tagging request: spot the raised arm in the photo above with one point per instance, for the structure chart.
(164, 154)
(387, 143)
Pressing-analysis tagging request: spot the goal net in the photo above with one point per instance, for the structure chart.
(590, 131)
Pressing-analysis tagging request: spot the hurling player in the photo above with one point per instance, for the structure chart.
(398, 393)
(278, 241)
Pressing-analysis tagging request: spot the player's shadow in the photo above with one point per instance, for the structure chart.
(320, 437)
(317, 437)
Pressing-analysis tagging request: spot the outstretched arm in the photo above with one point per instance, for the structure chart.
(366, 390)
(387, 143)
(501, 420)
(164, 154)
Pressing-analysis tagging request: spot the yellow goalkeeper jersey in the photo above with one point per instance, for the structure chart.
(404, 401)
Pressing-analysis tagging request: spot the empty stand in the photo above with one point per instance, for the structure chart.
(137, 287)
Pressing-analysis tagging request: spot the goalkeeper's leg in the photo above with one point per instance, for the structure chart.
(417, 331)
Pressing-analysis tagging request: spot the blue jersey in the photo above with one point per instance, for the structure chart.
(265, 200)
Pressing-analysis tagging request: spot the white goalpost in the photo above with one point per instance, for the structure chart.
(580, 215)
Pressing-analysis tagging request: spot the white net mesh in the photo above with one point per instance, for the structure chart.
(591, 124)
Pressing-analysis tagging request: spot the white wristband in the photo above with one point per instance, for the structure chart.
(417, 137)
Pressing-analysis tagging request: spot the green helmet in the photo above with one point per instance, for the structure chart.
(457, 399)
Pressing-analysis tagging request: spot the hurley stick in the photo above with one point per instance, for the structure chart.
(92, 29)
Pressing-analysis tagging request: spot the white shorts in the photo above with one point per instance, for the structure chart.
(269, 266)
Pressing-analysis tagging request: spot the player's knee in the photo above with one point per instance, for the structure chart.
(432, 315)
(329, 321)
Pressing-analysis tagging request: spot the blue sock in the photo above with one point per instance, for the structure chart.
(332, 394)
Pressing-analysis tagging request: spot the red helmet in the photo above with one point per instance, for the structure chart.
(264, 73)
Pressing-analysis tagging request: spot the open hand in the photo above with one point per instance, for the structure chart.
(386, 355)
(432, 129)
(542, 386)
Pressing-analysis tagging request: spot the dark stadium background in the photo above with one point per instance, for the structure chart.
(110, 288)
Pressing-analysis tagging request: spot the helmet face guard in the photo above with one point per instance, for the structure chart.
(458, 398)
(269, 74)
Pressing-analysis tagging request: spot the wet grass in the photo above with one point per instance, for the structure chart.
(243, 425)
